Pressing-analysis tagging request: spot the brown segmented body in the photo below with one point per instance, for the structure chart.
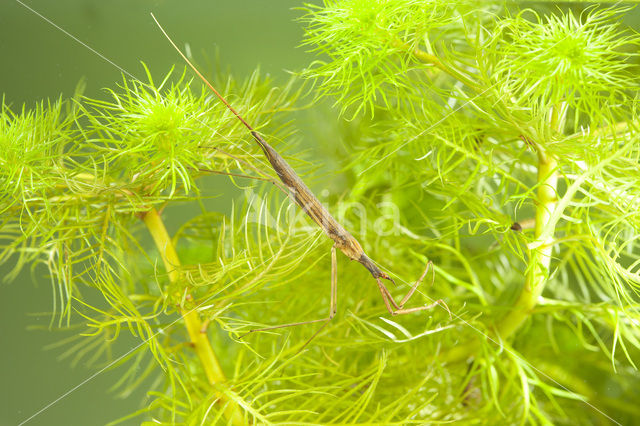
(301, 193)
(315, 210)
(303, 196)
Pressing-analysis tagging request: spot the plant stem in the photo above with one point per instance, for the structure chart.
(421, 55)
(539, 260)
(540, 256)
(428, 58)
(199, 339)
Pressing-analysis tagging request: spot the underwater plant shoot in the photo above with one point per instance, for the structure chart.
(169, 233)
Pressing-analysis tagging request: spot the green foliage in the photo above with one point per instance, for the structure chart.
(31, 143)
(70, 201)
(581, 62)
(360, 37)
(463, 119)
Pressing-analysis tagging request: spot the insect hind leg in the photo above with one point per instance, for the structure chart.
(333, 309)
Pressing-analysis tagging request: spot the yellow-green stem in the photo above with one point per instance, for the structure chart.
(199, 339)
(428, 58)
(538, 271)
(540, 255)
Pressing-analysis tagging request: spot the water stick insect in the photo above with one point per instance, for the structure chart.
(310, 204)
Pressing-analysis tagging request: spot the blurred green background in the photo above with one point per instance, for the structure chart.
(39, 62)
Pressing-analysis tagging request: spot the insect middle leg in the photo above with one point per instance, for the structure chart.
(398, 308)
(333, 304)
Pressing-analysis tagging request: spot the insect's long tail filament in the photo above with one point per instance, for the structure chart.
(224, 101)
